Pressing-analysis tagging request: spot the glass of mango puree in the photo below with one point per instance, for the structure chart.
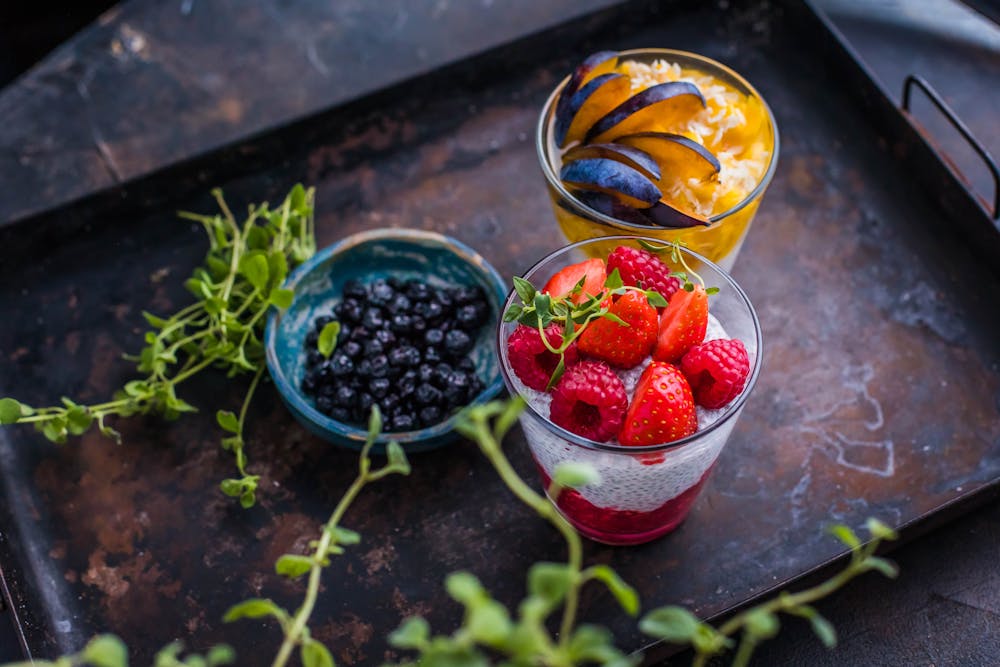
(688, 161)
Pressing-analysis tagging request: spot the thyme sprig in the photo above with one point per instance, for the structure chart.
(538, 310)
(239, 281)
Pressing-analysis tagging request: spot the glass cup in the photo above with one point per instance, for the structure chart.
(721, 240)
(645, 492)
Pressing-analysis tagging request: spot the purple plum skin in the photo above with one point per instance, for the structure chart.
(564, 116)
(581, 71)
(609, 175)
(641, 159)
(641, 100)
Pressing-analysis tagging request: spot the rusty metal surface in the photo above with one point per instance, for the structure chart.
(879, 394)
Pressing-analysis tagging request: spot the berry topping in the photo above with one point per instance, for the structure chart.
(643, 269)
(589, 400)
(716, 371)
(533, 363)
(622, 345)
(662, 408)
(682, 324)
(590, 271)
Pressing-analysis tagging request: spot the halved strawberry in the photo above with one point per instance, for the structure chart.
(662, 408)
(682, 324)
(561, 284)
(623, 346)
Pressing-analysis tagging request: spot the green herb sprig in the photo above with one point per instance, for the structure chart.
(240, 280)
(333, 538)
(538, 310)
(110, 651)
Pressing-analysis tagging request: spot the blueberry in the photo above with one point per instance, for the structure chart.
(456, 388)
(433, 336)
(324, 404)
(417, 290)
(312, 338)
(381, 293)
(355, 289)
(341, 414)
(457, 342)
(322, 321)
(379, 387)
(345, 333)
(363, 368)
(476, 387)
(385, 337)
(372, 319)
(467, 317)
(430, 415)
(399, 304)
(389, 403)
(467, 365)
(344, 396)
(373, 348)
(405, 355)
(401, 324)
(407, 384)
(469, 294)
(365, 403)
(432, 355)
(313, 358)
(352, 349)
(428, 395)
(324, 371)
(418, 326)
(360, 334)
(425, 373)
(433, 312)
(441, 373)
(402, 422)
(327, 389)
(341, 365)
(379, 366)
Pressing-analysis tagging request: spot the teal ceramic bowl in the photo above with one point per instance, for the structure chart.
(366, 256)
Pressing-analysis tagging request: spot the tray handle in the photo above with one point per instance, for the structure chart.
(950, 115)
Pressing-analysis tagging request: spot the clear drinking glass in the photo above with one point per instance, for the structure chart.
(645, 492)
(722, 239)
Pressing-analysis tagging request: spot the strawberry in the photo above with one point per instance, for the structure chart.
(662, 408)
(562, 283)
(643, 269)
(716, 371)
(623, 346)
(682, 324)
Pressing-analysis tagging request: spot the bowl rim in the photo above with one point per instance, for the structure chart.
(542, 148)
(731, 410)
(293, 395)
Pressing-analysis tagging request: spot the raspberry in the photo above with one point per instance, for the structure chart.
(532, 362)
(589, 400)
(643, 269)
(716, 371)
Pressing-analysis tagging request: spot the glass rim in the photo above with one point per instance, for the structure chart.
(541, 147)
(731, 410)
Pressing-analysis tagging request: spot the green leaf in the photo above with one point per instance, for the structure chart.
(463, 587)
(254, 268)
(489, 623)
(278, 265)
(254, 608)
(281, 298)
(549, 581)
(398, 462)
(672, 624)
(625, 594)
(614, 280)
(513, 312)
(824, 630)
(78, 420)
(879, 530)
(220, 654)
(214, 305)
(592, 643)
(227, 420)
(343, 536)
(652, 247)
(106, 651)
(328, 338)
(557, 373)
(11, 410)
(543, 308)
(761, 624)
(655, 299)
(297, 198)
(154, 321)
(293, 565)
(315, 654)
(711, 290)
(248, 497)
(707, 639)
(614, 318)
(574, 474)
(412, 634)
(887, 568)
(511, 411)
(524, 289)
(845, 535)
(374, 422)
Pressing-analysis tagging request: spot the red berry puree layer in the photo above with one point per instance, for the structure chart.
(620, 526)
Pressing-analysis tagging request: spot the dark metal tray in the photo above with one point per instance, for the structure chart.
(878, 396)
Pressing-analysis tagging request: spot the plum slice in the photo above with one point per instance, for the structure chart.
(609, 206)
(679, 157)
(655, 108)
(611, 177)
(664, 215)
(633, 157)
(599, 96)
(592, 66)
